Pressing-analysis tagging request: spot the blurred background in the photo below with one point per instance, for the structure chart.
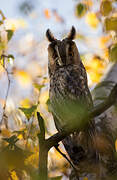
(24, 79)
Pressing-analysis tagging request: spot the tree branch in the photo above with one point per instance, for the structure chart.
(4, 116)
(64, 155)
(111, 100)
(41, 135)
(43, 150)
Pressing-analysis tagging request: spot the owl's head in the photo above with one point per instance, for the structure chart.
(62, 52)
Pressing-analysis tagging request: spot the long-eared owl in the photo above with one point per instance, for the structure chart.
(69, 94)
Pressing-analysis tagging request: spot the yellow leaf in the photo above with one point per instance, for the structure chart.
(95, 68)
(1, 69)
(5, 133)
(85, 178)
(116, 145)
(22, 23)
(57, 159)
(32, 160)
(44, 97)
(88, 3)
(106, 7)
(2, 102)
(23, 78)
(20, 136)
(14, 24)
(106, 53)
(25, 103)
(47, 13)
(104, 40)
(3, 39)
(92, 20)
(14, 175)
(95, 78)
(110, 24)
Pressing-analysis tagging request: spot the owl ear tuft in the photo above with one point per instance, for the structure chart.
(50, 36)
(72, 33)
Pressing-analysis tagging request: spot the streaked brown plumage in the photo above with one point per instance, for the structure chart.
(70, 99)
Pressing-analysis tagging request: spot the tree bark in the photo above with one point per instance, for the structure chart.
(111, 114)
(43, 162)
(43, 150)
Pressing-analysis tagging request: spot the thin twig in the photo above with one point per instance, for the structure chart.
(3, 17)
(4, 117)
(64, 155)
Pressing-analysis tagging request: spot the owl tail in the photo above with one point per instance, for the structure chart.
(79, 145)
(75, 151)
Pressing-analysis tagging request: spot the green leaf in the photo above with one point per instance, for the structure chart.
(106, 7)
(111, 24)
(56, 178)
(113, 53)
(2, 15)
(49, 105)
(29, 111)
(37, 86)
(9, 34)
(12, 140)
(80, 10)
(2, 45)
(1, 22)
(48, 102)
(11, 56)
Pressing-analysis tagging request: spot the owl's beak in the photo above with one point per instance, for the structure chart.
(67, 54)
(59, 57)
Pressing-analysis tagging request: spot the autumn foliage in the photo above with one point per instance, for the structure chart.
(19, 148)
